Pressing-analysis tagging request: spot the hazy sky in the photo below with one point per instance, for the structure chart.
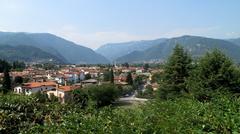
(95, 22)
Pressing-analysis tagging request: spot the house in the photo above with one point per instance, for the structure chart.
(34, 87)
(63, 93)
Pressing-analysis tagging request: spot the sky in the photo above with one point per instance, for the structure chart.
(92, 23)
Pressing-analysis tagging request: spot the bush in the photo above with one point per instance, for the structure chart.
(103, 95)
(80, 97)
(215, 71)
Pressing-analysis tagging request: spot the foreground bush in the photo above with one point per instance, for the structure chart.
(182, 115)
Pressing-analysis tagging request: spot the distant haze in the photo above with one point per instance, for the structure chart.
(93, 23)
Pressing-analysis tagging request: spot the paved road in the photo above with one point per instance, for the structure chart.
(132, 98)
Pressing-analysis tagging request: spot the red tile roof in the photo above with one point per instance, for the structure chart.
(39, 84)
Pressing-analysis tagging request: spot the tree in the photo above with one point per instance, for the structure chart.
(106, 76)
(215, 71)
(16, 65)
(4, 64)
(146, 67)
(80, 97)
(18, 80)
(176, 72)
(111, 76)
(129, 78)
(87, 76)
(6, 81)
(126, 65)
(103, 95)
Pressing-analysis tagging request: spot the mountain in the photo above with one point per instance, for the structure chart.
(195, 45)
(59, 47)
(235, 41)
(27, 54)
(114, 50)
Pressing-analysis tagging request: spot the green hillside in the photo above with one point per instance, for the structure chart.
(195, 45)
(59, 47)
(27, 54)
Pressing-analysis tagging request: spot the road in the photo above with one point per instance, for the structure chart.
(132, 98)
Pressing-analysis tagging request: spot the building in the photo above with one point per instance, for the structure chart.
(34, 87)
(63, 93)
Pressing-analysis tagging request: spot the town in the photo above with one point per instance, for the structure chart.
(61, 80)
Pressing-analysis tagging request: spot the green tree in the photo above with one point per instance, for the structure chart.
(106, 76)
(215, 71)
(111, 76)
(103, 95)
(146, 67)
(6, 81)
(126, 65)
(18, 80)
(176, 72)
(80, 97)
(129, 78)
(87, 76)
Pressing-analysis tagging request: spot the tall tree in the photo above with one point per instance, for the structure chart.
(146, 67)
(129, 78)
(88, 76)
(176, 72)
(214, 71)
(111, 76)
(6, 81)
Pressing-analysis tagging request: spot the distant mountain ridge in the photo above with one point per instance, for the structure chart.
(28, 54)
(195, 45)
(112, 51)
(66, 50)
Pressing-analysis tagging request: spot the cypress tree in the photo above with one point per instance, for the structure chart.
(129, 79)
(176, 72)
(6, 81)
(111, 76)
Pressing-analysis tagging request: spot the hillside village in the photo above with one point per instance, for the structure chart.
(67, 78)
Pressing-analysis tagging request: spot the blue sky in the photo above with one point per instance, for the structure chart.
(95, 22)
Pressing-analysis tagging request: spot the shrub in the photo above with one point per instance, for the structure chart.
(103, 95)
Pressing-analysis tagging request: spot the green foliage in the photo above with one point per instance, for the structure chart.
(147, 93)
(18, 66)
(111, 76)
(18, 80)
(6, 86)
(41, 97)
(80, 97)
(124, 90)
(129, 78)
(157, 77)
(106, 75)
(4, 64)
(146, 67)
(176, 72)
(215, 71)
(103, 95)
(23, 114)
(87, 76)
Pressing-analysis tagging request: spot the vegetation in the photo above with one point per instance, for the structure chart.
(88, 76)
(6, 86)
(176, 72)
(194, 97)
(129, 78)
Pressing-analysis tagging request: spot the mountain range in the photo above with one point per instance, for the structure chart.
(159, 51)
(112, 51)
(59, 48)
(45, 47)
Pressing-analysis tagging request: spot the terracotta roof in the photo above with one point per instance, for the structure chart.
(39, 84)
(68, 88)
